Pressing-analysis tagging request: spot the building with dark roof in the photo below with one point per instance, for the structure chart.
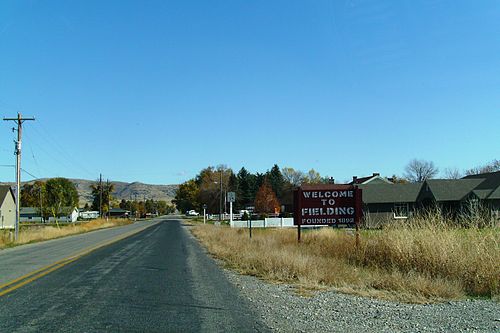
(375, 178)
(386, 202)
(118, 213)
(30, 214)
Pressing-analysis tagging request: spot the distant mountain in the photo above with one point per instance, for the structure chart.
(127, 191)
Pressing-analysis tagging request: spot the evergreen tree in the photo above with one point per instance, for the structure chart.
(244, 194)
(276, 180)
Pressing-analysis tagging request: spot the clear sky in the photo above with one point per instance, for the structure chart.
(153, 91)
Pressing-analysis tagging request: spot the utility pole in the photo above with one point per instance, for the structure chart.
(19, 121)
(108, 194)
(41, 207)
(220, 203)
(100, 195)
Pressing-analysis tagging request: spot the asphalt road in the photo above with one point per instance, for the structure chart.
(158, 280)
(21, 260)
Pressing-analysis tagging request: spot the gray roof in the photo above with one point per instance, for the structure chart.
(118, 210)
(36, 210)
(495, 195)
(4, 190)
(29, 211)
(491, 180)
(482, 194)
(452, 189)
(484, 186)
(390, 193)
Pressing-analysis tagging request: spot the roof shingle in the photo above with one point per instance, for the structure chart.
(389, 193)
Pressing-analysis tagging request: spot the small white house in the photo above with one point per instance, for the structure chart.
(7, 208)
(72, 216)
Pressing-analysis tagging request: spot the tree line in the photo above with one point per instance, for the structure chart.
(266, 192)
(150, 206)
(57, 197)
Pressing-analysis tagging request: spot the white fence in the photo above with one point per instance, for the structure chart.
(272, 222)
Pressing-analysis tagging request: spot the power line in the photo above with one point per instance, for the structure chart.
(23, 170)
(56, 154)
(54, 143)
(28, 173)
(36, 162)
(50, 155)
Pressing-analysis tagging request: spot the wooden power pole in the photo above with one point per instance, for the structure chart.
(19, 121)
(100, 195)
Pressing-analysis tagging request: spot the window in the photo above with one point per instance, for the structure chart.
(401, 210)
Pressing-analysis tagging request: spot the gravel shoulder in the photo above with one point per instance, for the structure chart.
(283, 310)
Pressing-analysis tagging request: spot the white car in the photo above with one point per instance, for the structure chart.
(192, 212)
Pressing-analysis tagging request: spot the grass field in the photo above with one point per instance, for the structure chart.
(29, 234)
(419, 261)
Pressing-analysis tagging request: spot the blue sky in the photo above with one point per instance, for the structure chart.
(153, 91)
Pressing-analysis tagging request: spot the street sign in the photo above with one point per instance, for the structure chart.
(231, 197)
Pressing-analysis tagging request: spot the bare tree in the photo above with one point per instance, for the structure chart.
(453, 173)
(490, 167)
(420, 170)
(292, 176)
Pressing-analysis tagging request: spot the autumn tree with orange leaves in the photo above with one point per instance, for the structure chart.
(265, 200)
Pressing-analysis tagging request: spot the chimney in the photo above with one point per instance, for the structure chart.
(354, 179)
(376, 174)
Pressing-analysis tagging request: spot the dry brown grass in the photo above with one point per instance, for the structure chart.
(29, 234)
(412, 263)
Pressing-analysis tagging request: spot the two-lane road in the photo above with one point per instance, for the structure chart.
(158, 280)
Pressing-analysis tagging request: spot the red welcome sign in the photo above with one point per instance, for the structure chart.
(327, 204)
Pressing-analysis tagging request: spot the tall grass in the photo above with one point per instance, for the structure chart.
(422, 260)
(29, 234)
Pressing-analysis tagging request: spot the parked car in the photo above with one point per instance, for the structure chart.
(192, 212)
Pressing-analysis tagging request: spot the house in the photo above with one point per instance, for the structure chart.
(449, 194)
(385, 202)
(30, 214)
(68, 215)
(375, 178)
(118, 213)
(489, 189)
(7, 208)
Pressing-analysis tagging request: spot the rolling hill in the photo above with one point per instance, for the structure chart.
(127, 191)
